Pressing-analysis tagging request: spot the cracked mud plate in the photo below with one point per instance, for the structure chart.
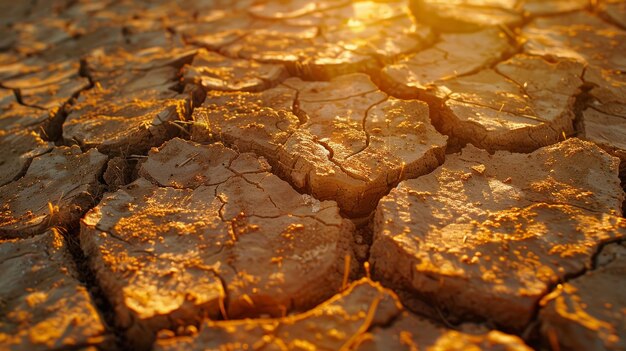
(343, 140)
(502, 228)
(207, 233)
(43, 304)
(363, 317)
(56, 190)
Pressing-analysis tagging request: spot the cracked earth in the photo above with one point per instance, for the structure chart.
(312, 175)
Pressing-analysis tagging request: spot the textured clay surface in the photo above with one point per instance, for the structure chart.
(487, 226)
(45, 307)
(363, 317)
(211, 232)
(312, 175)
(343, 140)
(57, 189)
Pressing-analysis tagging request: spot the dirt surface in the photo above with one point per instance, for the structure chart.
(213, 71)
(505, 227)
(363, 317)
(258, 173)
(212, 233)
(18, 150)
(343, 140)
(45, 306)
(128, 111)
(56, 190)
(587, 313)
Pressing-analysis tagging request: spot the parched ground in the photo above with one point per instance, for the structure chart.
(312, 175)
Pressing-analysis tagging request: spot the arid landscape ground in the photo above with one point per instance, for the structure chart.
(312, 175)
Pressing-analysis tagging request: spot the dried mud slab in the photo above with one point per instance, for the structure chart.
(213, 71)
(50, 88)
(101, 65)
(44, 306)
(607, 131)
(291, 9)
(502, 228)
(335, 324)
(15, 117)
(128, 111)
(106, 37)
(534, 8)
(56, 190)
(32, 37)
(604, 121)
(320, 43)
(587, 313)
(212, 233)
(17, 151)
(343, 140)
(471, 15)
(410, 332)
(520, 105)
(467, 15)
(614, 11)
(454, 55)
(216, 29)
(580, 36)
(608, 90)
(363, 317)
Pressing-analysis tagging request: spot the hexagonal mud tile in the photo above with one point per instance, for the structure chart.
(467, 15)
(128, 111)
(213, 234)
(343, 140)
(56, 190)
(579, 36)
(213, 71)
(17, 151)
(363, 317)
(521, 104)
(43, 304)
(452, 56)
(587, 313)
(502, 228)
